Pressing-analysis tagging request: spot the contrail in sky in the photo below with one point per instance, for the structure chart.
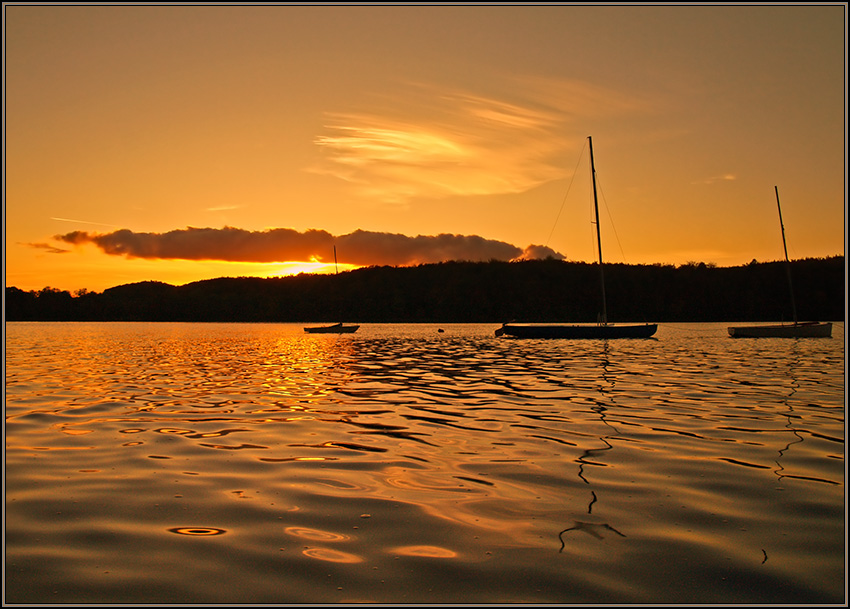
(83, 222)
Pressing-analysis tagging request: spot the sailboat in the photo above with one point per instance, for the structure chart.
(337, 328)
(805, 329)
(602, 329)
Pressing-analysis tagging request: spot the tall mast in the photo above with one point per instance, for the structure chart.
(336, 274)
(787, 262)
(598, 236)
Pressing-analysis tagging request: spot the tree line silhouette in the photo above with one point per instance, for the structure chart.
(471, 292)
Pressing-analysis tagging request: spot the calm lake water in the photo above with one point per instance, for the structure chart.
(254, 463)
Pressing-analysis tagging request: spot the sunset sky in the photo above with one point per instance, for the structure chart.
(178, 143)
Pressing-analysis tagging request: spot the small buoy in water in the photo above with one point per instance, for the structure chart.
(439, 329)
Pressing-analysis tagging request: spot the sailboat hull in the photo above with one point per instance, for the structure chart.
(799, 330)
(577, 331)
(334, 329)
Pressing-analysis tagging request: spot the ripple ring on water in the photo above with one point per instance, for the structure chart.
(197, 531)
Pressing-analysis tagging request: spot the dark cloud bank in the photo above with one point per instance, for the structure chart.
(360, 248)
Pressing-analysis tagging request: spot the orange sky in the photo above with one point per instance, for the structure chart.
(178, 143)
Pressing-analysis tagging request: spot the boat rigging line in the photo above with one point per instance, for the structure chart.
(566, 194)
(592, 222)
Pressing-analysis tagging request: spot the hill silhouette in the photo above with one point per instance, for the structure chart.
(472, 292)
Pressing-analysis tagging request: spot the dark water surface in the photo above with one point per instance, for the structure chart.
(253, 463)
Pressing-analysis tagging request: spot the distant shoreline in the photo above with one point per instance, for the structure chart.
(466, 292)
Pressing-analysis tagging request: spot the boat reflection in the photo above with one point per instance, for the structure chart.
(590, 456)
(790, 415)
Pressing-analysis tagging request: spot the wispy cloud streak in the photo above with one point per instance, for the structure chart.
(52, 249)
(715, 179)
(463, 143)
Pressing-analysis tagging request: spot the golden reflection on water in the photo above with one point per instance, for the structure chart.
(315, 535)
(423, 551)
(286, 459)
(577, 465)
(76, 432)
(332, 555)
(308, 368)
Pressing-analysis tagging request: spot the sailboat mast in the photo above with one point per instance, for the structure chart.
(598, 235)
(336, 274)
(787, 262)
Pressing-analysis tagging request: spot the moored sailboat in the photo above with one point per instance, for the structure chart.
(337, 328)
(807, 329)
(602, 329)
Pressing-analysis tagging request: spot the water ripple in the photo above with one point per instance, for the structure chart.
(401, 464)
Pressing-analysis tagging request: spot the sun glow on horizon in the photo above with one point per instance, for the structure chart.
(93, 271)
(295, 267)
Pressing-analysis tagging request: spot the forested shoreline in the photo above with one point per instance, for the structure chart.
(471, 292)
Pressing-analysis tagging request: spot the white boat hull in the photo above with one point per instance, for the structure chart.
(799, 330)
